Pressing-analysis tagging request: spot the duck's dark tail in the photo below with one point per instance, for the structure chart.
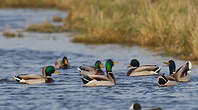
(162, 80)
(79, 69)
(86, 79)
(157, 69)
(189, 66)
(18, 79)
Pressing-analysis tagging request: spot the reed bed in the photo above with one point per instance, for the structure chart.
(11, 34)
(57, 18)
(170, 26)
(46, 27)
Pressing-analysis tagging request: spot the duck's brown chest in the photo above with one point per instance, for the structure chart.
(49, 80)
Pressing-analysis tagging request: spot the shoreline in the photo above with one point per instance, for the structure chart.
(155, 25)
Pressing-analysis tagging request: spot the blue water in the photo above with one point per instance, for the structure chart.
(29, 54)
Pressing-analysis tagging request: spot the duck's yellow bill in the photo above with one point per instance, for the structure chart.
(115, 62)
(129, 66)
(56, 72)
(167, 63)
(101, 66)
(66, 62)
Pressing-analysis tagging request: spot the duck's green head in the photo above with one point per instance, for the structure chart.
(109, 64)
(49, 70)
(171, 65)
(65, 60)
(98, 64)
(134, 63)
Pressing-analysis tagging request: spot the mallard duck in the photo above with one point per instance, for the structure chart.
(183, 73)
(89, 70)
(47, 71)
(100, 80)
(168, 80)
(144, 70)
(62, 64)
(137, 106)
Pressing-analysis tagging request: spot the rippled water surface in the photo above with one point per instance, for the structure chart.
(29, 54)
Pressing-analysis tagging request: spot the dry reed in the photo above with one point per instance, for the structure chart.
(170, 25)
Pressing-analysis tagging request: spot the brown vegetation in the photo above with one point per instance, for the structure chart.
(169, 25)
(57, 19)
(10, 34)
(46, 27)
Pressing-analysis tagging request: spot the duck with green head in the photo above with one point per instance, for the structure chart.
(62, 64)
(143, 70)
(101, 80)
(46, 76)
(181, 75)
(90, 70)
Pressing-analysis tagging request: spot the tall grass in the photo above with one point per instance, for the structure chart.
(168, 25)
(58, 4)
(46, 27)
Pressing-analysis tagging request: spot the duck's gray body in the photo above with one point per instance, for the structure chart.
(183, 73)
(144, 70)
(90, 70)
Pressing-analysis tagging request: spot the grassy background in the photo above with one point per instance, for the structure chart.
(167, 25)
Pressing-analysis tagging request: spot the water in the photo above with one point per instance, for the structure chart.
(29, 54)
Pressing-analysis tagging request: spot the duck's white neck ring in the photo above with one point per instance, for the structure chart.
(132, 67)
(49, 77)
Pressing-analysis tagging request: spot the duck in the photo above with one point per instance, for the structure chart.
(137, 106)
(181, 75)
(183, 72)
(143, 70)
(47, 72)
(169, 80)
(164, 81)
(90, 70)
(101, 80)
(62, 64)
